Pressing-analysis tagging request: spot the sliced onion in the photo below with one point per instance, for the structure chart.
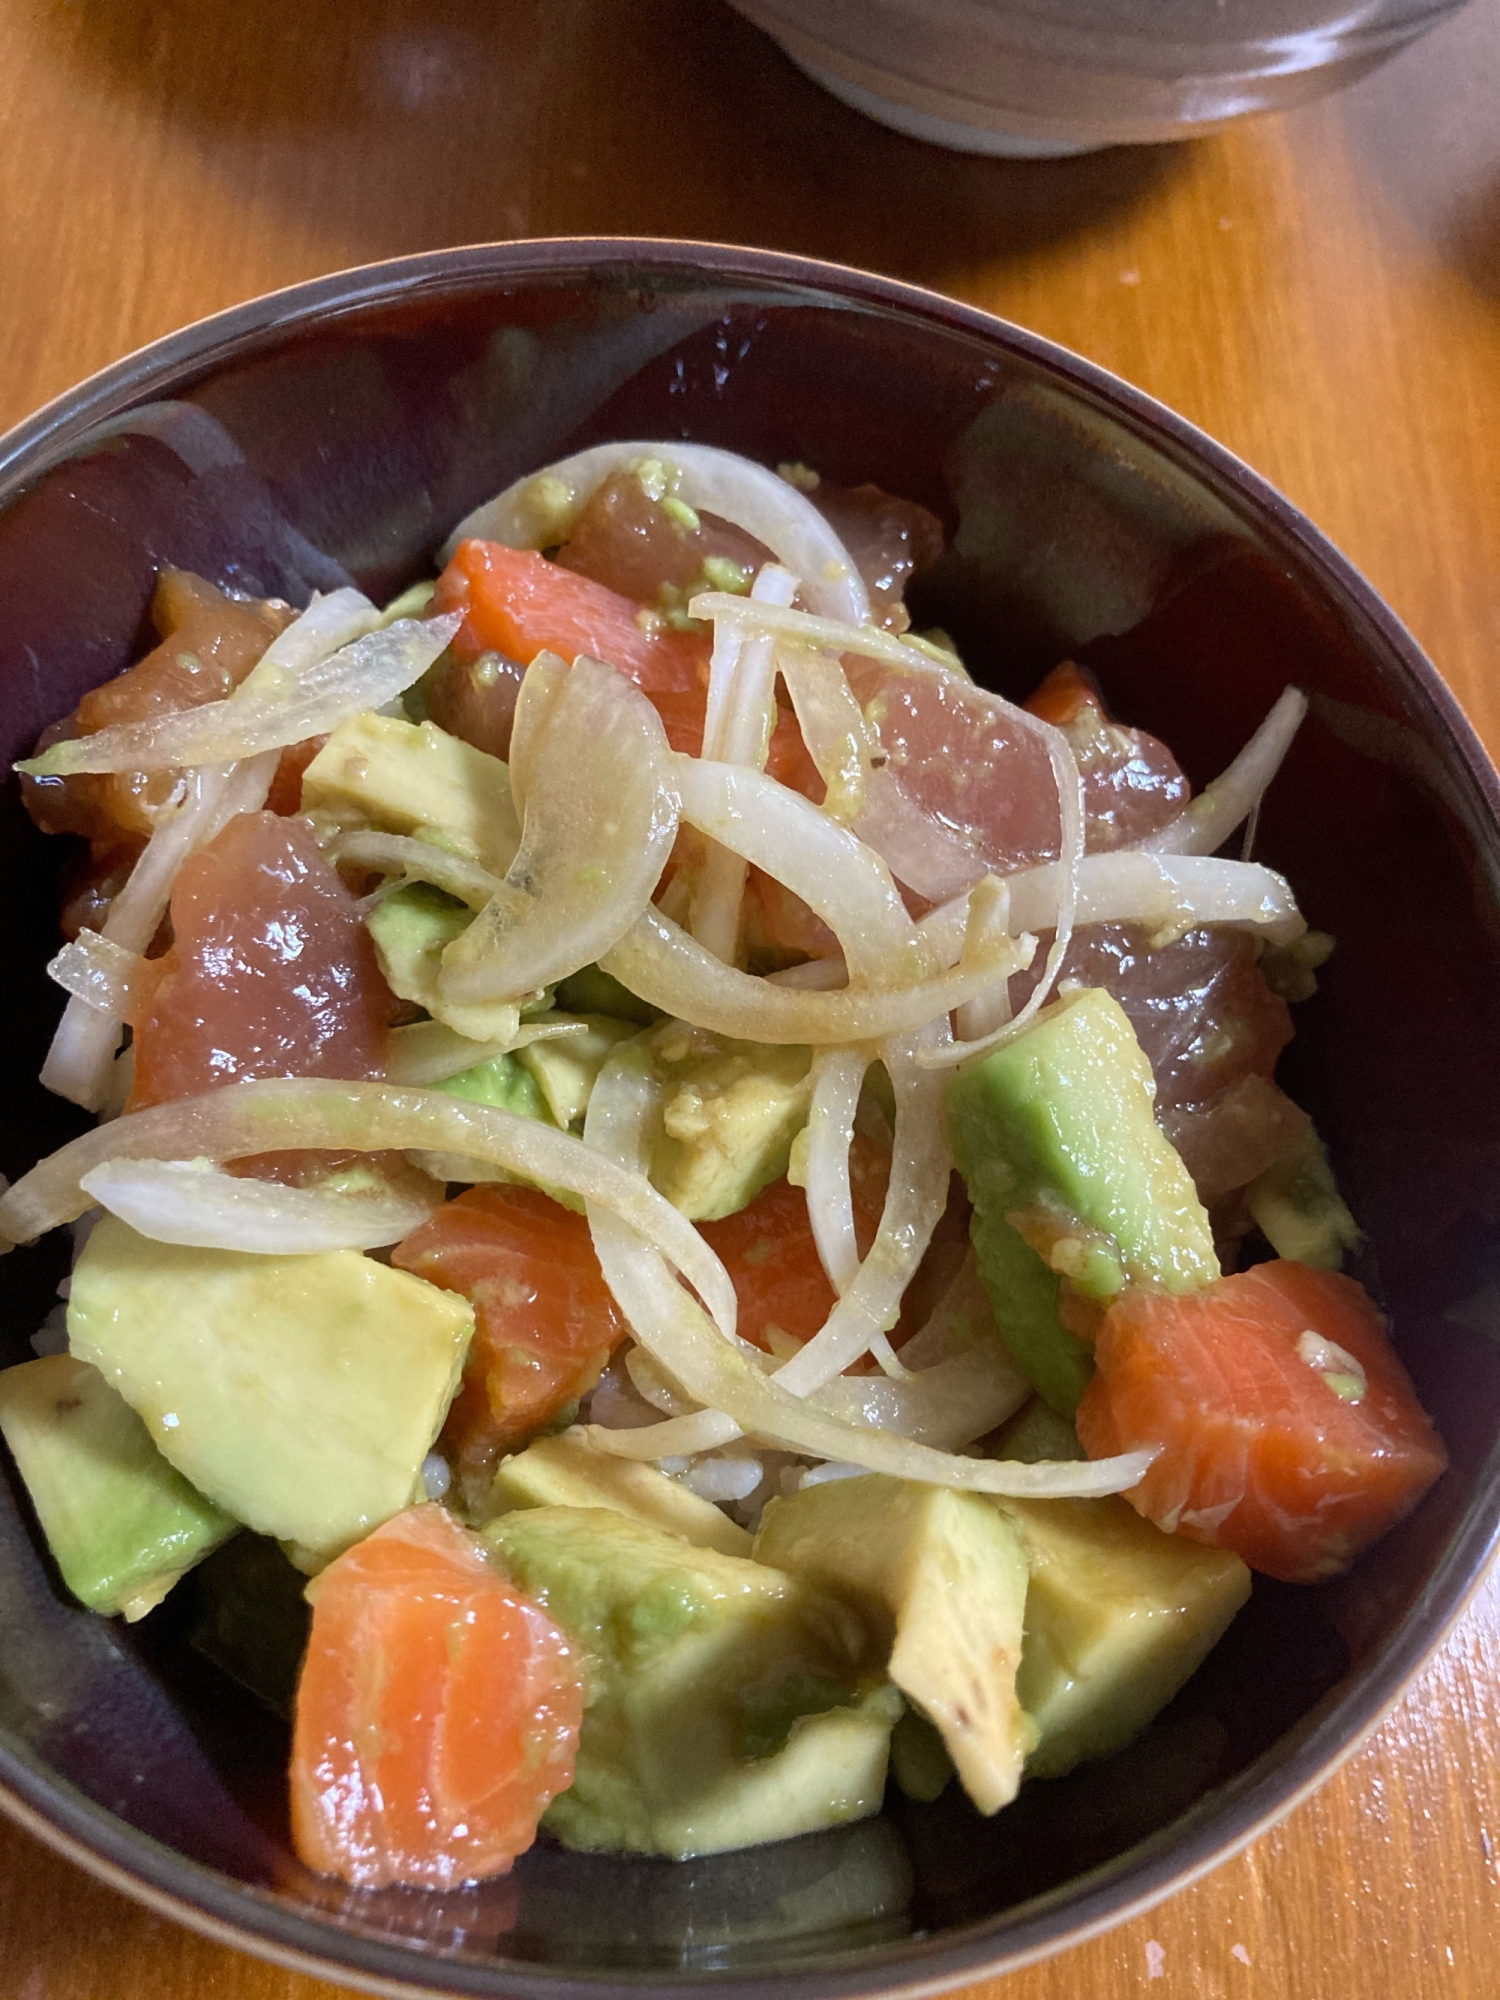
(947, 1405)
(837, 1078)
(99, 972)
(726, 1375)
(322, 1114)
(836, 875)
(540, 509)
(1219, 808)
(191, 1202)
(830, 635)
(80, 1061)
(277, 705)
(429, 1052)
(662, 965)
(600, 819)
(988, 1022)
(740, 718)
(418, 861)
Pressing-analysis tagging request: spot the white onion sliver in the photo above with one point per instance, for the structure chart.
(190, 1202)
(321, 1113)
(540, 509)
(600, 819)
(837, 1077)
(1209, 820)
(947, 1405)
(99, 972)
(428, 1052)
(663, 966)
(418, 861)
(836, 875)
(740, 719)
(264, 714)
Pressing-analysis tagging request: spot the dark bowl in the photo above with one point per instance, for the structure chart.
(339, 430)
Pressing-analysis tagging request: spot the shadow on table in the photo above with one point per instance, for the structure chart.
(397, 125)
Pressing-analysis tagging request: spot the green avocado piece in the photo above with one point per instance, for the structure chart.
(411, 927)
(1024, 1296)
(251, 1619)
(568, 1471)
(592, 990)
(122, 1525)
(1056, 1139)
(728, 1704)
(1057, 1129)
(565, 1068)
(1037, 1435)
(940, 1578)
(1118, 1616)
(415, 778)
(730, 1111)
(300, 1393)
(1298, 1209)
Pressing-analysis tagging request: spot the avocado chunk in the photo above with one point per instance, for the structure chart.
(1024, 1295)
(405, 777)
(1055, 1131)
(728, 1704)
(1298, 1209)
(251, 1619)
(1056, 1139)
(592, 990)
(122, 1525)
(411, 927)
(568, 1471)
(938, 1585)
(565, 1068)
(300, 1393)
(1037, 1435)
(730, 1112)
(1118, 1616)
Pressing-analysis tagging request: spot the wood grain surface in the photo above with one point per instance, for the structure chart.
(1321, 291)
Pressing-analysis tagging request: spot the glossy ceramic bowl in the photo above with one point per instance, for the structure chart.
(1038, 78)
(340, 429)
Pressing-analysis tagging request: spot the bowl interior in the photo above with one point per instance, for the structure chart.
(282, 457)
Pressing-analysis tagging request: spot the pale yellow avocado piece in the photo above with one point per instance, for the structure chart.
(936, 1583)
(730, 1111)
(727, 1704)
(300, 1393)
(411, 927)
(568, 1471)
(122, 1524)
(566, 1067)
(1118, 1616)
(407, 777)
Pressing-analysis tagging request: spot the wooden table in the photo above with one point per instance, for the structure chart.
(1321, 291)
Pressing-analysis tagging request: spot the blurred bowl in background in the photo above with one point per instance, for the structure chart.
(1041, 78)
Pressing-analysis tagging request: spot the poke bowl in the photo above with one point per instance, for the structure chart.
(1019, 538)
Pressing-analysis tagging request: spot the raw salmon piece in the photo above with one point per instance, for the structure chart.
(271, 972)
(767, 1248)
(437, 1712)
(517, 603)
(545, 1321)
(1288, 1430)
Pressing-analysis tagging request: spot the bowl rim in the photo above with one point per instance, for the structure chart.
(1218, 1825)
